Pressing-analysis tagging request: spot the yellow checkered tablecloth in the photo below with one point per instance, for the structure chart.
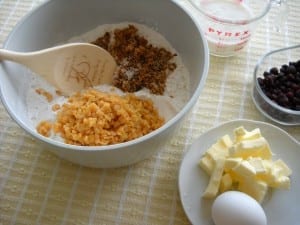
(36, 187)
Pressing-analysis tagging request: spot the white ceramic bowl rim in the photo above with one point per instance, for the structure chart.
(169, 123)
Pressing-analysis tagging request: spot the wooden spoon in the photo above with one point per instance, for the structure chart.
(69, 67)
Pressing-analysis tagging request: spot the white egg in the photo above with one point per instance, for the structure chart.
(237, 208)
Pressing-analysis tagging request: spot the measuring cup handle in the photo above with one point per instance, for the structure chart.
(282, 14)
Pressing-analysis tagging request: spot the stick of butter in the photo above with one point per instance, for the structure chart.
(215, 179)
(258, 147)
(244, 164)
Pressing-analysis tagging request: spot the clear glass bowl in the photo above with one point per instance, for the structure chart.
(264, 104)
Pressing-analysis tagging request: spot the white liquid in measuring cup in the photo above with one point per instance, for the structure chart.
(227, 10)
(226, 39)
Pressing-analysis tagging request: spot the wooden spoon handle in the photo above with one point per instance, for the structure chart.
(17, 57)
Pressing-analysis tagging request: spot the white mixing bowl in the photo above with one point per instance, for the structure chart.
(57, 21)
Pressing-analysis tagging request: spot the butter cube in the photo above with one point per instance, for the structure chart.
(236, 177)
(256, 189)
(216, 152)
(231, 163)
(258, 165)
(282, 182)
(226, 141)
(226, 183)
(269, 175)
(274, 171)
(254, 134)
(207, 164)
(232, 151)
(239, 132)
(242, 134)
(245, 169)
(284, 169)
(214, 182)
(252, 148)
(267, 164)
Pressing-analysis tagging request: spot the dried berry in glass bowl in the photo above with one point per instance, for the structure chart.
(276, 85)
(283, 85)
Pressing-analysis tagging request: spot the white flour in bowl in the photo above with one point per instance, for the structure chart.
(174, 98)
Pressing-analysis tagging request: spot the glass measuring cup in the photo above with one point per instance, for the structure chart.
(229, 24)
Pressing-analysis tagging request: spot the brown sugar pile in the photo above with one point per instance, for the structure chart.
(95, 118)
(140, 64)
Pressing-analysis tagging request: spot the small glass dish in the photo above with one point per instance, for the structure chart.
(264, 104)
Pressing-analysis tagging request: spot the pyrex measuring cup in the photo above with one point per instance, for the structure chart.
(229, 24)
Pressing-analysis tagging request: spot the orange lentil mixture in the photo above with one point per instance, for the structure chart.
(44, 128)
(55, 107)
(94, 118)
(140, 64)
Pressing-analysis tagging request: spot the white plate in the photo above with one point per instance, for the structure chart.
(282, 206)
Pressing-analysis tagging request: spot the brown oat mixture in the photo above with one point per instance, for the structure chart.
(140, 64)
(95, 118)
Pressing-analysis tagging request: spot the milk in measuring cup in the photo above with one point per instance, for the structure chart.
(225, 39)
